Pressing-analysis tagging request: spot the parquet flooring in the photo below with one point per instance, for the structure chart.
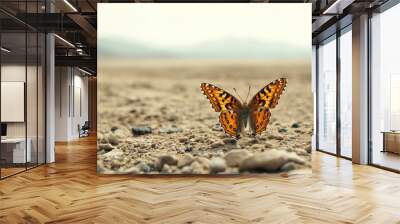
(70, 191)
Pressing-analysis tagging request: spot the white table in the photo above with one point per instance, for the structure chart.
(18, 145)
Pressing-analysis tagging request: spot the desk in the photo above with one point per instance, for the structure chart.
(391, 141)
(15, 148)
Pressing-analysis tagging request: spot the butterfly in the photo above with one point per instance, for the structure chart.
(235, 116)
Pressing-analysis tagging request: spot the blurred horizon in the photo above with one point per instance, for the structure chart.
(230, 31)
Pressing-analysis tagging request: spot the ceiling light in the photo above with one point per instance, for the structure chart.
(65, 41)
(5, 50)
(70, 5)
(84, 71)
(337, 7)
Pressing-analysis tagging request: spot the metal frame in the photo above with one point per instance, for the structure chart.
(44, 74)
(339, 32)
(389, 4)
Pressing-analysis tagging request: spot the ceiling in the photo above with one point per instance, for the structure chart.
(76, 21)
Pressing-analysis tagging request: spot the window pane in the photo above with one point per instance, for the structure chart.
(345, 94)
(385, 84)
(327, 96)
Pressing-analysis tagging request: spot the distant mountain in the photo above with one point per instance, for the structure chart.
(223, 48)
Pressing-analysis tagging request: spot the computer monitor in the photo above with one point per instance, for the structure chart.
(3, 129)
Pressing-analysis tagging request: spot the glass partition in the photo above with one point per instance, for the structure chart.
(14, 153)
(327, 95)
(22, 100)
(385, 89)
(346, 92)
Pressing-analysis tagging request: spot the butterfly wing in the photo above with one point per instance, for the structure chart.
(229, 121)
(225, 103)
(259, 119)
(220, 99)
(260, 105)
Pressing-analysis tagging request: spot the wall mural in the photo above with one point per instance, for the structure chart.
(204, 89)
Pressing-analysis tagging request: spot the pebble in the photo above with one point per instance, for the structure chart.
(231, 141)
(296, 125)
(131, 170)
(204, 162)
(114, 153)
(217, 165)
(142, 150)
(113, 139)
(106, 147)
(217, 127)
(170, 130)
(217, 144)
(186, 160)
(257, 147)
(166, 169)
(166, 159)
(235, 157)
(277, 137)
(282, 130)
(308, 148)
(197, 168)
(143, 167)
(269, 161)
(183, 139)
(141, 130)
(187, 170)
(268, 145)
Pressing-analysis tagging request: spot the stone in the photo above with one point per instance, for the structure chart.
(230, 141)
(142, 150)
(308, 148)
(186, 170)
(113, 139)
(170, 130)
(131, 170)
(296, 125)
(289, 166)
(186, 160)
(257, 147)
(217, 127)
(217, 165)
(268, 145)
(197, 168)
(282, 130)
(269, 161)
(114, 154)
(143, 167)
(277, 137)
(106, 147)
(167, 159)
(217, 144)
(235, 157)
(166, 169)
(204, 162)
(183, 139)
(142, 130)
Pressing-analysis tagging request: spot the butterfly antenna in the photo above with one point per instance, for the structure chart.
(234, 89)
(248, 93)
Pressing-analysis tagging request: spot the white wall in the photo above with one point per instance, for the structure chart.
(70, 84)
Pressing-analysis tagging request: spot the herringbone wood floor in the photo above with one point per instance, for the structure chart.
(69, 191)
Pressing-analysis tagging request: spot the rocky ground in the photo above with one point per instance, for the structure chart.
(153, 118)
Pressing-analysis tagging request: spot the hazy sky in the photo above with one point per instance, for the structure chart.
(177, 25)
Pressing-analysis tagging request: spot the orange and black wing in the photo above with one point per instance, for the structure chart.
(260, 119)
(260, 105)
(269, 95)
(220, 99)
(229, 121)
